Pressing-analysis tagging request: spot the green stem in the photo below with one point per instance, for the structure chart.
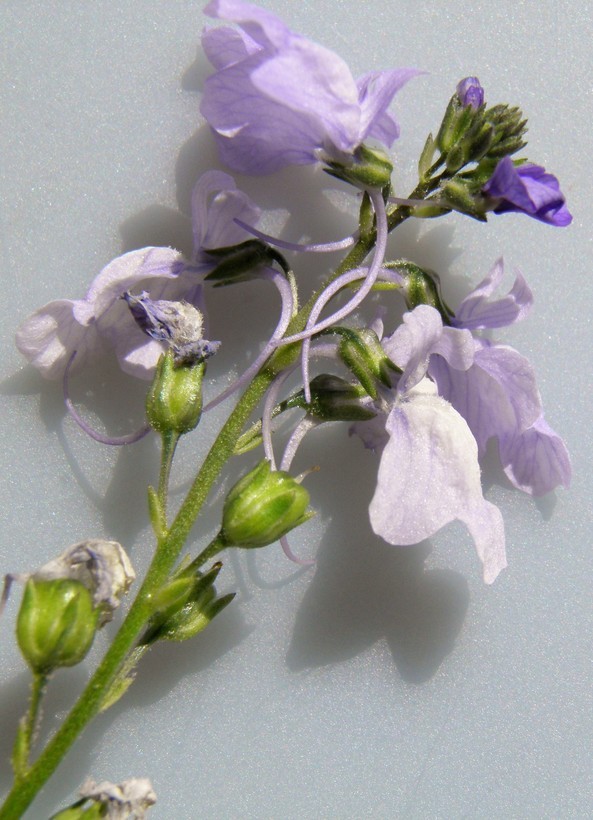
(169, 547)
(27, 727)
(217, 545)
(168, 443)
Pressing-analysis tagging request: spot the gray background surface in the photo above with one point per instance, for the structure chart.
(384, 682)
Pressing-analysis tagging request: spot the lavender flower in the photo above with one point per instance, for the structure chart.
(429, 473)
(51, 335)
(278, 99)
(527, 189)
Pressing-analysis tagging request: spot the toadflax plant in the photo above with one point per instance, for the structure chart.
(426, 392)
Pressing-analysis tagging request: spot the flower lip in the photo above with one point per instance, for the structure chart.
(527, 189)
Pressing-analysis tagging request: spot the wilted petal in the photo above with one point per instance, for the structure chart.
(429, 475)
(478, 312)
(536, 460)
(121, 801)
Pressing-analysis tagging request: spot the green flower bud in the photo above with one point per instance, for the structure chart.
(461, 195)
(361, 351)
(262, 507)
(174, 401)
(56, 624)
(458, 118)
(369, 168)
(185, 606)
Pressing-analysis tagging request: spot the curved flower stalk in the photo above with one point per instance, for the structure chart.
(323, 247)
(287, 297)
(50, 336)
(311, 328)
(279, 99)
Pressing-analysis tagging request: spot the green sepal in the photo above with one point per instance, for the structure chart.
(426, 158)
(335, 399)
(185, 605)
(158, 518)
(239, 263)
(460, 196)
(56, 624)
(361, 352)
(263, 506)
(421, 287)
(174, 401)
(369, 168)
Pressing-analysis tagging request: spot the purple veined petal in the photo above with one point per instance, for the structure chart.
(536, 461)
(372, 433)
(262, 26)
(225, 46)
(529, 189)
(376, 91)
(429, 476)
(310, 79)
(49, 337)
(127, 271)
(478, 312)
(256, 135)
(457, 347)
(497, 395)
(216, 202)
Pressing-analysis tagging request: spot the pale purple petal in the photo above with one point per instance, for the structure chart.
(421, 335)
(497, 396)
(262, 26)
(536, 460)
(376, 91)
(216, 203)
(225, 46)
(328, 95)
(478, 312)
(429, 476)
(49, 337)
(128, 271)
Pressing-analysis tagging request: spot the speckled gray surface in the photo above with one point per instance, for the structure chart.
(384, 682)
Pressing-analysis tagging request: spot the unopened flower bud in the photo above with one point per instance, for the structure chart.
(369, 168)
(262, 507)
(56, 624)
(174, 401)
(470, 92)
(185, 606)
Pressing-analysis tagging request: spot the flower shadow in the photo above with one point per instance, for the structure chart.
(354, 601)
